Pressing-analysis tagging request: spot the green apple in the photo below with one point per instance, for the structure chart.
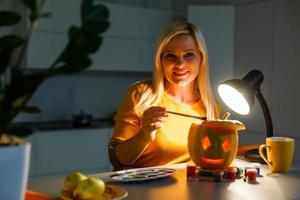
(72, 180)
(90, 188)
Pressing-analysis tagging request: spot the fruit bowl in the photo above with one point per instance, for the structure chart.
(111, 192)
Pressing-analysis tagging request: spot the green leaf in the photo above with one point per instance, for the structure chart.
(74, 55)
(97, 20)
(73, 33)
(97, 14)
(31, 109)
(24, 85)
(95, 28)
(86, 7)
(85, 43)
(11, 41)
(9, 18)
(92, 44)
(20, 131)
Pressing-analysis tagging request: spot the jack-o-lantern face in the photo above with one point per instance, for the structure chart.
(206, 144)
(212, 147)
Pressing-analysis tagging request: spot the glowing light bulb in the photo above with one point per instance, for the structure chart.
(234, 99)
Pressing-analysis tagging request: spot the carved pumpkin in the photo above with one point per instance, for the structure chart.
(214, 144)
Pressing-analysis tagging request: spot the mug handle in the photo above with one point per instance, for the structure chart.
(261, 153)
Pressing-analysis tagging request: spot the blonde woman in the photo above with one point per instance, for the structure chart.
(145, 134)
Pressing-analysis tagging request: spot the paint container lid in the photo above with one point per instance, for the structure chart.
(255, 164)
(231, 169)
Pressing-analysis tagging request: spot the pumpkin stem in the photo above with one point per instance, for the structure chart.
(226, 116)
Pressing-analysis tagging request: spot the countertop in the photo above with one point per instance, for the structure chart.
(66, 125)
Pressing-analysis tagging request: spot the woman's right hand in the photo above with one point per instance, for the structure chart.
(152, 120)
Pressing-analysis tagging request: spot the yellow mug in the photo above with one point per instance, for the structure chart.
(280, 152)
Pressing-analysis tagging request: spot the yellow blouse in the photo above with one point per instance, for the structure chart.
(170, 144)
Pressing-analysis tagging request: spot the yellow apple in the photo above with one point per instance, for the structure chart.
(72, 180)
(90, 188)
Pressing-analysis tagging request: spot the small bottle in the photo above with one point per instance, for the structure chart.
(256, 166)
(251, 175)
(191, 173)
(231, 173)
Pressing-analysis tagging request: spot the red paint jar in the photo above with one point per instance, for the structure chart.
(251, 175)
(191, 173)
(231, 173)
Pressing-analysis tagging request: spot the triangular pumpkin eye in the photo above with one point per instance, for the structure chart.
(226, 146)
(205, 142)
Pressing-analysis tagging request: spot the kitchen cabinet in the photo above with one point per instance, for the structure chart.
(128, 44)
(56, 153)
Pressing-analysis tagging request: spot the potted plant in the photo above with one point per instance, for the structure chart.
(16, 91)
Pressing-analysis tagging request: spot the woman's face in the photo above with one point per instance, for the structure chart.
(181, 61)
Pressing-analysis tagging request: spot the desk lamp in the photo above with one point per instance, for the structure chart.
(238, 95)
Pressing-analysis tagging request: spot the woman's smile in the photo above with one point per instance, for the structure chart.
(180, 74)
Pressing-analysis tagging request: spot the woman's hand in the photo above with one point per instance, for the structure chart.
(152, 120)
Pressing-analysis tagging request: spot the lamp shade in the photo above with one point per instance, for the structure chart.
(238, 95)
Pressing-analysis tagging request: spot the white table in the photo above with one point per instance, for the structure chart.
(271, 186)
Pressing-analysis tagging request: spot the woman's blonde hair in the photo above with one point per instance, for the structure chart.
(153, 94)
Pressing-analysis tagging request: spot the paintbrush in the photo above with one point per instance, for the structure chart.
(186, 115)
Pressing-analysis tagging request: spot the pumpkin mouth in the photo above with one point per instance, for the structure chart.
(219, 161)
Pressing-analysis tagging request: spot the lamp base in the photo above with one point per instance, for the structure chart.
(253, 156)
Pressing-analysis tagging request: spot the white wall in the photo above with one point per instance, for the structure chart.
(285, 93)
(253, 50)
(217, 25)
(267, 38)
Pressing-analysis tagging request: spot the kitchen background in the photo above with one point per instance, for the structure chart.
(241, 35)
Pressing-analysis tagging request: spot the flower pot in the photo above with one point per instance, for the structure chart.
(214, 144)
(14, 171)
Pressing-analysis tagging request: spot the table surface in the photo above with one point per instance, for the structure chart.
(271, 186)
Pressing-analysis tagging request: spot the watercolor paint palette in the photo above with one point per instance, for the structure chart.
(142, 174)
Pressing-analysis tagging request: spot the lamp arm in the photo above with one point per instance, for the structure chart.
(266, 112)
